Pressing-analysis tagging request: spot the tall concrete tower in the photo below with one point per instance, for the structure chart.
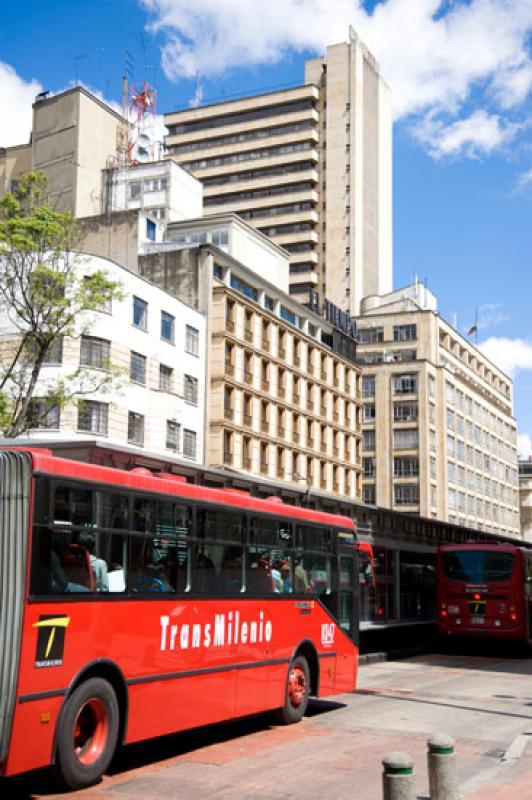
(356, 167)
(309, 166)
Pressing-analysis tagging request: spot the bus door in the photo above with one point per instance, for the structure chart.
(347, 596)
(527, 574)
(366, 581)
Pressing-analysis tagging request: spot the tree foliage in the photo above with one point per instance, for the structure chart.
(46, 296)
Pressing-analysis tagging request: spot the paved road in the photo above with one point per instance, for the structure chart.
(484, 702)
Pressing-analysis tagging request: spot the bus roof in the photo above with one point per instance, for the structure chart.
(142, 479)
(507, 546)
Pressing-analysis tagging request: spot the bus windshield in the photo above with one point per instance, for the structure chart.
(478, 566)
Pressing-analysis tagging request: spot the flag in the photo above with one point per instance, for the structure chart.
(472, 329)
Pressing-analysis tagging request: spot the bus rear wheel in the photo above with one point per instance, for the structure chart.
(87, 734)
(296, 692)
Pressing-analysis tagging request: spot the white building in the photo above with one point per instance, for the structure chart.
(157, 342)
(162, 188)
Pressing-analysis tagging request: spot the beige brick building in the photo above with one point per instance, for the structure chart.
(438, 432)
(309, 167)
(284, 388)
(525, 499)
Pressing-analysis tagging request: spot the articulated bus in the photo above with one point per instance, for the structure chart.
(485, 590)
(135, 604)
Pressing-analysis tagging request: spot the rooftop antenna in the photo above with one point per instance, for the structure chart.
(128, 68)
(143, 101)
(76, 59)
(143, 45)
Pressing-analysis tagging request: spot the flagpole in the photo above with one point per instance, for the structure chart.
(476, 324)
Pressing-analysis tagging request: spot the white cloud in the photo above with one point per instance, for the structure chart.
(524, 445)
(16, 98)
(433, 53)
(490, 314)
(524, 180)
(477, 135)
(510, 355)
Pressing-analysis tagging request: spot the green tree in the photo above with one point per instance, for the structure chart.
(46, 295)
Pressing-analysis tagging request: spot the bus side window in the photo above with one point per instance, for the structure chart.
(152, 565)
(73, 506)
(312, 560)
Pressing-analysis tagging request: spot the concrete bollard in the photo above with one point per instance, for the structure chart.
(398, 777)
(441, 761)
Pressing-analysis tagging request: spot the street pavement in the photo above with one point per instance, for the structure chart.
(484, 702)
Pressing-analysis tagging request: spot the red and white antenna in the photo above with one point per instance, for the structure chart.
(143, 105)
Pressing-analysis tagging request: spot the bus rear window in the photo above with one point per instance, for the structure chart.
(478, 566)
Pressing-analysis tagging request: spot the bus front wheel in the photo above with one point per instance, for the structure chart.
(296, 692)
(87, 733)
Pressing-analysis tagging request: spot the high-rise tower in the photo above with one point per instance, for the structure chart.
(308, 166)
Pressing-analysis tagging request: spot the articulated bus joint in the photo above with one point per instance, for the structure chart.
(111, 672)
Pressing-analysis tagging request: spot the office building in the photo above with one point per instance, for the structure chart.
(438, 432)
(284, 389)
(309, 167)
(525, 499)
(156, 345)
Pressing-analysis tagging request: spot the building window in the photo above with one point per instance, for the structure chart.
(140, 313)
(220, 238)
(54, 354)
(243, 287)
(405, 412)
(405, 467)
(172, 435)
(368, 467)
(368, 386)
(405, 438)
(405, 384)
(192, 340)
(189, 443)
(135, 428)
(368, 412)
(406, 494)
(368, 440)
(137, 368)
(167, 327)
(191, 390)
(166, 378)
(151, 230)
(404, 333)
(134, 190)
(370, 335)
(368, 493)
(93, 416)
(94, 352)
(43, 415)
(154, 184)
(287, 315)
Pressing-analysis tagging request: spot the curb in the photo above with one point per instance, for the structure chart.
(391, 655)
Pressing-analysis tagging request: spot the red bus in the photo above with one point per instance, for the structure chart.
(485, 590)
(135, 604)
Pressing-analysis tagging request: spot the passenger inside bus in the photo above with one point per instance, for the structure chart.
(59, 580)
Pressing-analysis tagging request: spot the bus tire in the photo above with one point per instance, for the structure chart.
(296, 692)
(87, 733)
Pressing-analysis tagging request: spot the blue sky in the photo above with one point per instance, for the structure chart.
(461, 76)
